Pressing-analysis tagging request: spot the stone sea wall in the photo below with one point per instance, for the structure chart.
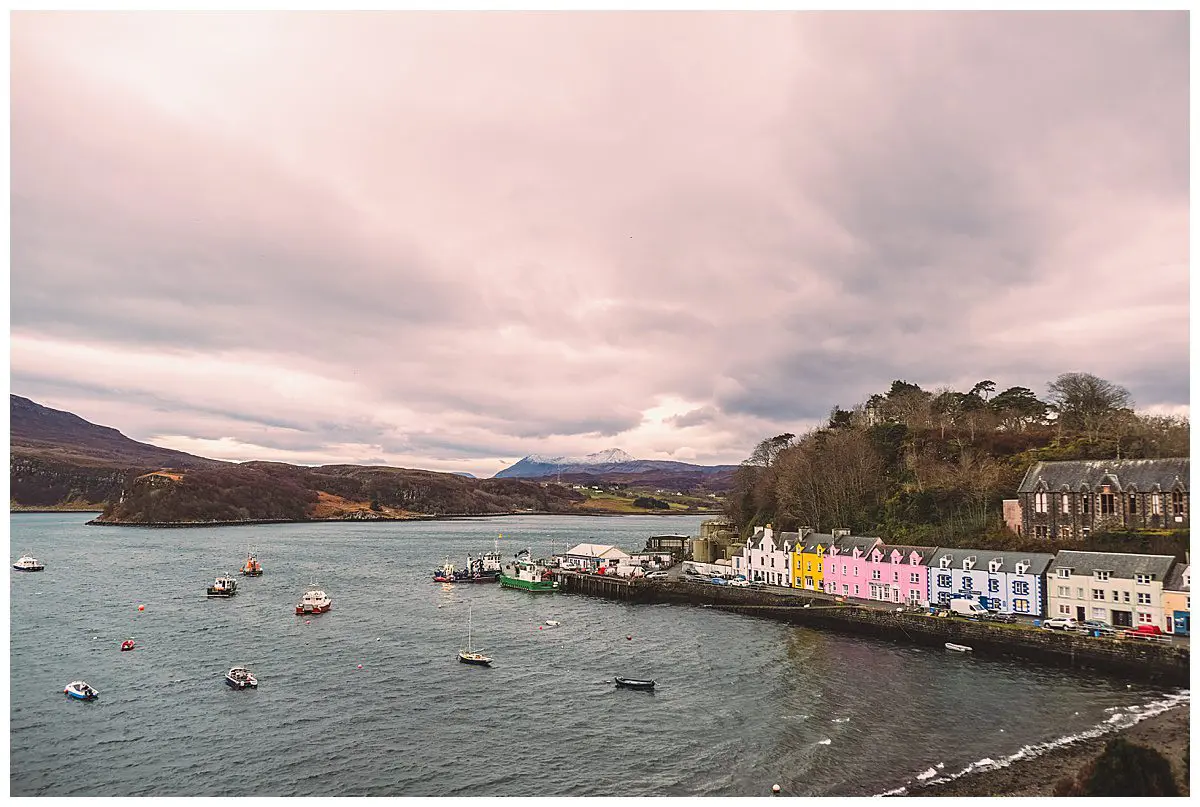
(1166, 663)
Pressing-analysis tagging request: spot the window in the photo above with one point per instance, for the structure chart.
(1041, 531)
(944, 581)
(1064, 591)
(1142, 579)
(1020, 587)
(772, 561)
(1085, 531)
(1064, 609)
(1145, 618)
(856, 571)
(1126, 593)
(1132, 503)
(993, 584)
(1097, 594)
(818, 566)
(1064, 572)
(1156, 504)
(1099, 613)
(1086, 501)
(845, 588)
(1143, 598)
(914, 578)
(1177, 502)
(1065, 532)
(1079, 593)
(843, 568)
(808, 567)
(1039, 502)
(1021, 606)
(1108, 504)
(944, 598)
(967, 585)
(1116, 595)
(875, 574)
(855, 589)
(1065, 504)
(1102, 575)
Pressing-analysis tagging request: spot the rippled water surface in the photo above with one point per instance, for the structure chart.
(741, 703)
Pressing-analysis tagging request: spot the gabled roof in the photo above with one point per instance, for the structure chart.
(1174, 579)
(846, 544)
(1121, 565)
(1038, 561)
(597, 551)
(925, 552)
(1141, 475)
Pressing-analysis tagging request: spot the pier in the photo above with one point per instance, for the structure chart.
(1164, 663)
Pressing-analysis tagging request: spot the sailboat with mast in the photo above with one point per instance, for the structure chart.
(470, 655)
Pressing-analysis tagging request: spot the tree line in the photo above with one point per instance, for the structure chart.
(932, 467)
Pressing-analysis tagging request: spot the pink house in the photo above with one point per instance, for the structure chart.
(898, 574)
(846, 572)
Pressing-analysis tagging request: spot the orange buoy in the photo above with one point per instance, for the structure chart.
(141, 608)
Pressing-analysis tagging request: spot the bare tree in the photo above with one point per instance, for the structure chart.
(1087, 403)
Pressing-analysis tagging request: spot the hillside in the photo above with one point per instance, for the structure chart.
(61, 460)
(615, 465)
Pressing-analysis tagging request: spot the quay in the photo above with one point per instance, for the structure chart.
(1164, 663)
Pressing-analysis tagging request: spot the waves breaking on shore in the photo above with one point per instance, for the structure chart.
(1121, 719)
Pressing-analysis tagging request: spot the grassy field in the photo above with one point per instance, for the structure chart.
(622, 502)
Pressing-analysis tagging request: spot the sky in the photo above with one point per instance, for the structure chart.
(449, 240)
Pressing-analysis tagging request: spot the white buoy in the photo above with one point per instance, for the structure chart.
(775, 789)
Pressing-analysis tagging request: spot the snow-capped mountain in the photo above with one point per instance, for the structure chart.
(609, 461)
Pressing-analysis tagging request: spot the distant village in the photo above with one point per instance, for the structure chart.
(1055, 499)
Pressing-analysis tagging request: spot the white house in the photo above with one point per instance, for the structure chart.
(765, 559)
(1008, 582)
(591, 557)
(1124, 590)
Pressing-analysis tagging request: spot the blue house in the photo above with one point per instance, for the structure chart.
(1008, 582)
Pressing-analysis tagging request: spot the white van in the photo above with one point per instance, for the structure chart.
(967, 608)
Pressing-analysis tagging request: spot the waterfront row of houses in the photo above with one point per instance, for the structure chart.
(1122, 589)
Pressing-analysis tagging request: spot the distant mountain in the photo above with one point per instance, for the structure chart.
(611, 463)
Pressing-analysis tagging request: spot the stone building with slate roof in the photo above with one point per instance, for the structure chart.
(1124, 590)
(1071, 500)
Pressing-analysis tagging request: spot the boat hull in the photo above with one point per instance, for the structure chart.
(28, 568)
(305, 610)
(537, 586)
(216, 595)
(478, 662)
(252, 574)
(240, 684)
(630, 683)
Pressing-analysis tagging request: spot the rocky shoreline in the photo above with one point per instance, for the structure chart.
(1168, 733)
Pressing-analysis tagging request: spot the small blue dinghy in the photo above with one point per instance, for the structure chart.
(81, 690)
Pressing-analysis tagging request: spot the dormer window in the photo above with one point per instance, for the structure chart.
(914, 560)
(1022, 567)
(1143, 579)
(1100, 575)
(1064, 573)
(968, 563)
(994, 565)
(945, 562)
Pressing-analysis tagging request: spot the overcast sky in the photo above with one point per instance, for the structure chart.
(447, 241)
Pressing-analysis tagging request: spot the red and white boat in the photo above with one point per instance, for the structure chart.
(314, 601)
(127, 644)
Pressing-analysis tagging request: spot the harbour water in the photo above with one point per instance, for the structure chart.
(741, 703)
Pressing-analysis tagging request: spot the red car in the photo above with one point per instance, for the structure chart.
(1152, 630)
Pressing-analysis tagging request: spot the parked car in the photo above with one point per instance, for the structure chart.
(1060, 623)
(740, 582)
(1090, 626)
(656, 575)
(1145, 630)
(995, 616)
(718, 581)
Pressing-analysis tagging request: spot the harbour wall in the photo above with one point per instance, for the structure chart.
(1164, 663)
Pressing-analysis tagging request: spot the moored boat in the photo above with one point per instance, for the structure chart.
(961, 648)
(314, 601)
(240, 678)
(252, 568)
(525, 574)
(81, 690)
(633, 683)
(28, 563)
(223, 587)
(127, 644)
(469, 655)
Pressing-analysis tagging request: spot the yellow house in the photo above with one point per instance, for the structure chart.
(808, 562)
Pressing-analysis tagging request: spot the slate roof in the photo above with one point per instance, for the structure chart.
(1174, 580)
(846, 544)
(1141, 475)
(596, 551)
(1120, 564)
(789, 538)
(925, 552)
(1038, 561)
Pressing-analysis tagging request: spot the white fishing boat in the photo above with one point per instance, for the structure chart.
(240, 678)
(314, 601)
(81, 690)
(28, 563)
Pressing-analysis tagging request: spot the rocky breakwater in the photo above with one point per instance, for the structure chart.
(1164, 663)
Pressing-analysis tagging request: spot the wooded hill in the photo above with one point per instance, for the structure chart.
(932, 467)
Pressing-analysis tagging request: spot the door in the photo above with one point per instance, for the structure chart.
(1181, 623)
(1122, 619)
(1080, 613)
